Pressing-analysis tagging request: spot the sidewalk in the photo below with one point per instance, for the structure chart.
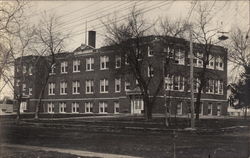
(68, 151)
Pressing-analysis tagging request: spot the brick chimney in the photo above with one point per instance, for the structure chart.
(92, 38)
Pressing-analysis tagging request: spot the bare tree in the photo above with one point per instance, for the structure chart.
(128, 39)
(11, 13)
(170, 29)
(205, 34)
(49, 42)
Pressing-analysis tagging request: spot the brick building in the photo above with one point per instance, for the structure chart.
(89, 80)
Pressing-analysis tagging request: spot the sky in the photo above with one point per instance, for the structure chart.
(73, 15)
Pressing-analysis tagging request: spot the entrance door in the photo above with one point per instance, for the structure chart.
(137, 105)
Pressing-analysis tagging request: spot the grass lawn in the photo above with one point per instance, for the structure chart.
(143, 143)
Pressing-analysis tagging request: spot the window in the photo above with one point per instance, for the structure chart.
(18, 82)
(219, 65)
(88, 107)
(178, 83)
(150, 52)
(138, 54)
(219, 109)
(50, 108)
(89, 64)
(210, 86)
(179, 108)
(52, 87)
(104, 86)
(63, 88)
(75, 107)
(104, 62)
(126, 60)
(116, 107)
(117, 62)
(64, 67)
(118, 85)
(127, 86)
(196, 84)
(220, 86)
(169, 82)
(209, 109)
(89, 87)
(76, 66)
(52, 70)
(24, 69)
(30, 91)
(24, 87)
(103, 107)
(30, 70)
(62, 107)
(201, 109)
(136, 82)
(210, 62)
(76, 87)
(199, 59)
(170, 53)
(150, 71)
(180, 57)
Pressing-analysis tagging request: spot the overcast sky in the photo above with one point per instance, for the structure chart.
(74, 14)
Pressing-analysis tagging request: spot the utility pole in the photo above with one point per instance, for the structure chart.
(191, 77)
(86, 33)
(165, 96)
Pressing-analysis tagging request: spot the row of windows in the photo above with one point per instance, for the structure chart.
(88, 107)
(179, 110)
(89, 87)
(177, 83)
(179, 58)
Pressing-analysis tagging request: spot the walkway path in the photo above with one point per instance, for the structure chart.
(68, 151)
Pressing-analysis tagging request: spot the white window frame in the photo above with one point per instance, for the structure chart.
(30, 70)
(201, 109)
(62, 107)
(76, 87)
(51, 107)
(103, 105)
(64, 66)
(127, 83)
(150, 71)
(219, 62)
(220, 87)
(118, 83)
(51, 88)
(116, 105)
(211, 107)
(24, 69)
(63, 88)
(30, 91)
(126, 59)
(89, 107)
(90, 64)
(179, 108)
(105, 84)
(150, 52)
(75, 107)
(52, 70)
(218, 108)
(89, 87)
(209, 86)
(104, 61)
(169, 82)
(180, 57)
(118, 62)
(76, 65)
(211, 62)
(24, 87)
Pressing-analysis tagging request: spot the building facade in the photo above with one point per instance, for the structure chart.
(90, 80)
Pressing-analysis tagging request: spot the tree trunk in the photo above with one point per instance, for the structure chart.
(147, 108)
(18, 109)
